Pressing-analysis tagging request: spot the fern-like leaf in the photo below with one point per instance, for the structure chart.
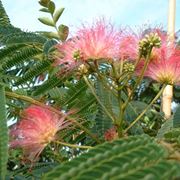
(36, 70)
(135, 157)
(4, 19)
(104, 122)
(7, 30)
(18, 58)
(3, 135)
(23, 37)
(176, 118)
(9, 50)
(52, 82)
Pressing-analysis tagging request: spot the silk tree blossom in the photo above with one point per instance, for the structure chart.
(36, 130)
(99, 41)
(129, 42)
(164, 66)
(65, 55)
(166, 70)
(165, 50)
(129, 45)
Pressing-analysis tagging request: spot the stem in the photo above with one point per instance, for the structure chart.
(139, 79)
(144, 111)
(73, 145)
(97, 98)
(33, 101)
(120, 120)
(107, 85)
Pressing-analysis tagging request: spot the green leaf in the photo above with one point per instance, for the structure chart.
(44, 2)
(3, 135)
(57, 14)
(9, 50)
(176, 118)
(130, 114)
(50, 35)
(46, 21)
(49, 84)
(21, 56)
(102, 121)
(173, 135)
(22, 38)
(44, 10)
(49, 45)
(63, 32)
(51, 7)
(166, 127)
(36, 70)
(137, 157)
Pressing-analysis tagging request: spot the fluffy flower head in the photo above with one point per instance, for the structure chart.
(165, 70)
(35, 130)
(128, 45)
(100, 41)
(164, 66)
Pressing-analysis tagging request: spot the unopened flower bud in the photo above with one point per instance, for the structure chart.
(151, 40)
(77, 55)
(82, 69)
(128, 67)
(111, 134)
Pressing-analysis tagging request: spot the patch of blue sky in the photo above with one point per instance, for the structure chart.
(133, 13)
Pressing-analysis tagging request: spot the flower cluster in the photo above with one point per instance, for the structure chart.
(111, 134)
(164, 66)
(102, 41)
(129, 45)
(166, 69)
(36, 130)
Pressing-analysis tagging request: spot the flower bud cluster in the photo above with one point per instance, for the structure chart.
(128, 67)
(77, 55)
(148, 42)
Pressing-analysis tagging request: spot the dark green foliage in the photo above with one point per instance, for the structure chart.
(170, 130)
(23, 38)
(131, 113)
(9, 50)
(176, 118)
(102, 121)
(176, 92)
(49, 45)
(3, 135)
(137, 157)
(165, 128)
(20, 57)
(36, 70)
(4, 19)
(52, 82)
(7, 30)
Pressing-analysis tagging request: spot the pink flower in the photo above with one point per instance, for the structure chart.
(111, 134)
(35, 130)
(100, 41)
(164, 66)
(166, 69)
(166, 49)
(129, 45)
(67, 50)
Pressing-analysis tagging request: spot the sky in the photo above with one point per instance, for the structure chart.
(133, 13)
